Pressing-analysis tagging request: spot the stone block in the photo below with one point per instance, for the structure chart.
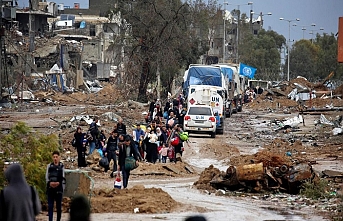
(77, 182)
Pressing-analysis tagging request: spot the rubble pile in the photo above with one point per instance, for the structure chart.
(145, 200)
(297, 94)
(265, 101)
(108, 95)
(339, 91)
(205, 178)
(282, 165)
(266, 156)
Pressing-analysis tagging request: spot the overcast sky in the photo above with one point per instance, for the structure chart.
(323, 13)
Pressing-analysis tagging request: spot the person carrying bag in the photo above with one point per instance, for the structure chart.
(127, 159)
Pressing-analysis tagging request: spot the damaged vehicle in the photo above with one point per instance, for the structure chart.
(265, 176)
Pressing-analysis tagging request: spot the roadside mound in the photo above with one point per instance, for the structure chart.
(147, 200)
(164, 169)
(205, 177)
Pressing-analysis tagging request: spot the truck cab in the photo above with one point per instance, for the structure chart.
(205, 85)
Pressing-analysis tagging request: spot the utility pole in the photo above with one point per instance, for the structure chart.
(31, 28)
(224, 31)
(237, 42)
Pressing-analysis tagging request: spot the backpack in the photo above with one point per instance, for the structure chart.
(73, 142)
(175, 141)
(184, 136)
(104, 162)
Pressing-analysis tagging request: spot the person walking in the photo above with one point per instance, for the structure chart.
(18, 201)
(94, 131)
(138, 135)
(164, 152)
(102, 139)
(153, 140)
(126, 149)
(80, 147)
(121, 127)
(112, 150)
(172, 120)
(55, 185)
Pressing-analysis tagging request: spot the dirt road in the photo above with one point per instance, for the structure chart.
(245, 133)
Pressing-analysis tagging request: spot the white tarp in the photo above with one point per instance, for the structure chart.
(27, 95)
(337, 131)
(86, 118)
(293, 122)
(305, 96)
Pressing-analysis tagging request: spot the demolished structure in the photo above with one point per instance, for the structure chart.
(47, 56)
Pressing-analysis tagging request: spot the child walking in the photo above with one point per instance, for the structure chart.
(164, 153)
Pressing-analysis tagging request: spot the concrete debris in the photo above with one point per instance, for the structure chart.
(337, 131)
(288, 122)
(94, 86)
(25, 95)
(297, 95)
(110, 116)
(323, 120)
(337, 124)
(86, 118)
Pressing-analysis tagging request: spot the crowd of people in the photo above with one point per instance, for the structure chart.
(155, 141)
(20, 201)
(161, 138)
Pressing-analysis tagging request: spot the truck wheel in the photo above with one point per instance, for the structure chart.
(213, 135)
(220, 131)
(229, 113)
(240, 107)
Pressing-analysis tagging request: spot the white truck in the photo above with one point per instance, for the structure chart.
(205, 84)
(236, 87)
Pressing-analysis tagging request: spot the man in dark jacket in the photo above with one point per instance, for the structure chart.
(81, 149)
(55, 185)
(121, 127)
(111, 151)
(94, 130)
(171, 121)
(18, 201)
(126, 149)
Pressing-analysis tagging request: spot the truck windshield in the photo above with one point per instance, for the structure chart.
(200, 111)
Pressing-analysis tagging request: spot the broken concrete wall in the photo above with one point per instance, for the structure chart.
(77, 182)
(92, 50)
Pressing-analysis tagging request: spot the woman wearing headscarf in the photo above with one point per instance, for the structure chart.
(80, 147)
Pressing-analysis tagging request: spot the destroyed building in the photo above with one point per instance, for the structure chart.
(41, 45)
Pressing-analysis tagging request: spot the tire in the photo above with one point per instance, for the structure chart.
(213, 135)
(220, 131)
(228, 114)
(240, 107)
